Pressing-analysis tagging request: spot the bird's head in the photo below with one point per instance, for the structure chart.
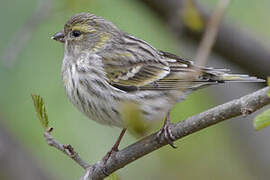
(86, 32)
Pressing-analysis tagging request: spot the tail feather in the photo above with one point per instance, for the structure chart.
(240, 78)
(226, 77)
(206, 76)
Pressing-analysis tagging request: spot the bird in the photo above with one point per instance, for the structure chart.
(104, 68)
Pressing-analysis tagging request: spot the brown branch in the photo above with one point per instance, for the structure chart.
(66, 149)
(243, 106)
(233, 42)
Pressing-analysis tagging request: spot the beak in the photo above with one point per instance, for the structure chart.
(59, 36)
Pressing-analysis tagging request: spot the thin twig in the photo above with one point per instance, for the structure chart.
(210, 34)
(66, 149)
(238, 107)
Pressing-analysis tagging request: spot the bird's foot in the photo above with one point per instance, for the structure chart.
(109, 155)
(166, 132)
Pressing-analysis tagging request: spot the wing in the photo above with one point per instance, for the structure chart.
(133, 64)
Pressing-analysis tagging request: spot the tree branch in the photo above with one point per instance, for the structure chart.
(243, 106)
(66, 149)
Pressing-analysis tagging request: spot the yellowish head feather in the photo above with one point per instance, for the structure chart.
(83, 28)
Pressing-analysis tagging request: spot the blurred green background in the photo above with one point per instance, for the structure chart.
(209, 154)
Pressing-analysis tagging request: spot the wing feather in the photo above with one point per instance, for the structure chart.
(141, 67)
(135, 63)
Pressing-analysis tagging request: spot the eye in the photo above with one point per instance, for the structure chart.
(76, 33)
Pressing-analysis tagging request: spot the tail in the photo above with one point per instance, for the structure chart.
(211, 76)
(240, 78)
(222, 75)
(207, 75)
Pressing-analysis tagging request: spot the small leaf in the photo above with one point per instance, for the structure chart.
(262, 120)
(41, 110)
(113, 176)
(268, 82)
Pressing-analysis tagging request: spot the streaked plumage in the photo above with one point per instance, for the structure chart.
(104, 67)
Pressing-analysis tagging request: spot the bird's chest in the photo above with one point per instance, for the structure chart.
(78, 77)
(70, 80)
(91, 95)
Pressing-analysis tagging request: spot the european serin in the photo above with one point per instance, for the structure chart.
(104, 67)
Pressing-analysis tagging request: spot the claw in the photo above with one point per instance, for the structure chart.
(109, 155)
(166, 130)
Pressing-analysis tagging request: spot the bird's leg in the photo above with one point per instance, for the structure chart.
(115, 147)
(166, 130)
